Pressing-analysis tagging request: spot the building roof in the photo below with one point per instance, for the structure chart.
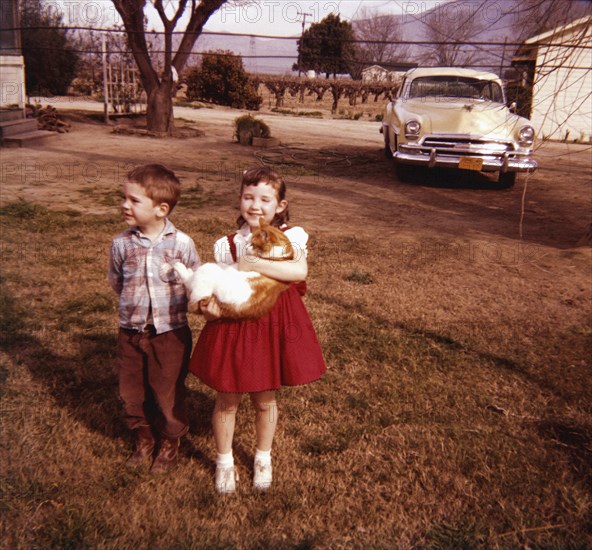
(375, 67)
(563, 29)
(388, 66)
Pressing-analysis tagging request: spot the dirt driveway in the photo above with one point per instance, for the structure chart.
(339, 178)
(464, 231)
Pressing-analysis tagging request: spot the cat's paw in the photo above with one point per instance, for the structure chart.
(184, 272)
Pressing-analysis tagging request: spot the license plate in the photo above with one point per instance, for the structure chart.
(470, 163)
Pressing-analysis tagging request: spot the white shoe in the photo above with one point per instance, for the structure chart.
(225, 480)
(263, 476)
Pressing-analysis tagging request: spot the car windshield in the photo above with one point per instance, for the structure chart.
(455, 86)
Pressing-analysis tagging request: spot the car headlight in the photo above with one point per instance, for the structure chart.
(412, 129)
(526, 136)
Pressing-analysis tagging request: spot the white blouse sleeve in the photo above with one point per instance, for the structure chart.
(299, 239)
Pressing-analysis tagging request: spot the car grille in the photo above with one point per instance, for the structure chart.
(465, 144)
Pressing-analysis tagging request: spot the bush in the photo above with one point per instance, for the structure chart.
(82, 86)
(246, 127)
(223, 80)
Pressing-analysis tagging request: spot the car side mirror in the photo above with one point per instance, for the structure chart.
(513, 107)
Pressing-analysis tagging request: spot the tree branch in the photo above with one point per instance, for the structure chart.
(132, 14)
(199, 16)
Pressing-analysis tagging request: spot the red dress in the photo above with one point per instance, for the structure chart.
(278, 349)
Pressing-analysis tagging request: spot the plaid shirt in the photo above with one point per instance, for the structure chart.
(140, 271)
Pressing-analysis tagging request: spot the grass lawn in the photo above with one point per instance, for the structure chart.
(456, 411)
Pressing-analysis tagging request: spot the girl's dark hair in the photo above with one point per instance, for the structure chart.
(263, 174)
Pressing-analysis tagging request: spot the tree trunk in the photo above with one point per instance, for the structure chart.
(159, 112)
(160, 100)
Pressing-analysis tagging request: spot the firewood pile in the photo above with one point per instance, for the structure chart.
(49, 119)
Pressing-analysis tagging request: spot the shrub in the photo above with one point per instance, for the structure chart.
(223, 80)
(246, 127)
(313, 114)
(81, 86)
(49, 51)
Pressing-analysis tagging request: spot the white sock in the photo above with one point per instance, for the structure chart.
(225, 460)
(263, 457)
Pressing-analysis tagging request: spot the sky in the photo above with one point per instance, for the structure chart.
(264, 17)
(284, 17)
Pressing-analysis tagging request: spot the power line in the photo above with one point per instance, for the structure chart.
(292, 57)
(353, 41)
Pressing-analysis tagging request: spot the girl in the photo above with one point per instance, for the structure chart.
(257, 356)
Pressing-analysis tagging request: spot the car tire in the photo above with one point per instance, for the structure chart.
(507, 180)
(387, 146)
(403, 171)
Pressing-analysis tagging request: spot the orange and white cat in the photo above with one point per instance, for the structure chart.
(240, 294)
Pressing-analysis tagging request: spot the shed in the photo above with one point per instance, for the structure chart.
(12, 66)
(15, 129)
(375, 73)
(392, 72)
(557, 68)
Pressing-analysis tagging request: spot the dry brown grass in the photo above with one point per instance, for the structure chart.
(456, 412)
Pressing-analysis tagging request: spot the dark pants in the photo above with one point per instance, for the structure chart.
(152, 369)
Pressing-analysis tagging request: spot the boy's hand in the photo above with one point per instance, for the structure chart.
(210, 309)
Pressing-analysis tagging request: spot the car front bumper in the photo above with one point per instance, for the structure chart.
(508, 161)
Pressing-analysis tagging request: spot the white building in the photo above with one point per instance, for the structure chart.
(383, 75)
(559, 69)
(12, 65)
(376, 73)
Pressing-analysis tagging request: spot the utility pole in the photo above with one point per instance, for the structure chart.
(105, 76)
(253, 54)
(304, 15)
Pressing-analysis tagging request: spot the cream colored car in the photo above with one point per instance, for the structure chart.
(457, 118)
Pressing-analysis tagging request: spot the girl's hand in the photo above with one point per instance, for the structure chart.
(288, 271)
(210, 309)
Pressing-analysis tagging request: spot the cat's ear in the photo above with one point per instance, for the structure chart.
(262, 222)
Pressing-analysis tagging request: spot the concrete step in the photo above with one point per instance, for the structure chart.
(14, 127)
(26, 138)
(11, 114)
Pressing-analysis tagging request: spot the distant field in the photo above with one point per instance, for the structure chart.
(363, 111)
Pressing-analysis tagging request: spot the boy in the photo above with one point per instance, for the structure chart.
(154, 342)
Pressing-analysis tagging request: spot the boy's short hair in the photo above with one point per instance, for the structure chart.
(159, 183)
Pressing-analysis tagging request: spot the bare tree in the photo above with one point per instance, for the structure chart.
(381, 37)
(159, 83)
(450, 30)
(532, 17)
(89, 68)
